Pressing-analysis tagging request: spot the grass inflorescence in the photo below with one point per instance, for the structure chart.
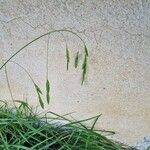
(38, 90)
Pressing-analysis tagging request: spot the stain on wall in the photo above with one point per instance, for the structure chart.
(117, 34)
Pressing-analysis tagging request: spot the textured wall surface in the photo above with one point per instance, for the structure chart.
(117, 34)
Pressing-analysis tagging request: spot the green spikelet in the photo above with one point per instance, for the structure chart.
(67, 57)
(48, 91)
(86, 50)
(37, 88)
(77, 60)
(40, 101)
(84, 69)
(39, 92)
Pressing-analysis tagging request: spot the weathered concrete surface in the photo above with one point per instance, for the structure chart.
(143, 144)
(117, 34)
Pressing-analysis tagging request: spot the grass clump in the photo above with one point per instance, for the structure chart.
(22, 129)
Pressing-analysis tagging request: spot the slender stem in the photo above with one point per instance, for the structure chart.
(63, 38)
(8, 84)
(24, 70)
(48, 33)
(47, 57)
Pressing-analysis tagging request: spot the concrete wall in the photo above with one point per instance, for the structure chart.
(117, 34)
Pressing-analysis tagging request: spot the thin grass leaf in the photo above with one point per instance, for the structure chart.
(148, 148)
(87, 142)
(77, 60)
(95, 121)
(24, 104)
(20, 147)
(80, 122)
(4, 102)
(48, 91)
(38, 144)
(67, 57)
(5, 144)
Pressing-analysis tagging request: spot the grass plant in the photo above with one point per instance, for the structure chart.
(23, 129)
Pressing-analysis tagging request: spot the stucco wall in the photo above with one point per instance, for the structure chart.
(117, 34)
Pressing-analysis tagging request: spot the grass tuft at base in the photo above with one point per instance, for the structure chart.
(22, 129)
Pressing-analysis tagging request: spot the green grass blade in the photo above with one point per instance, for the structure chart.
(148, 148)
(20, 147)
(95, 121)
(4, 142)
